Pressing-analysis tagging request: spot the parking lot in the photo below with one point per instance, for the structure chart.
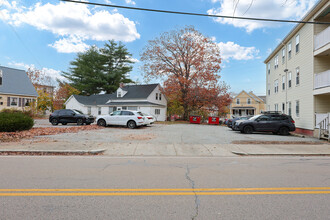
(169, 134)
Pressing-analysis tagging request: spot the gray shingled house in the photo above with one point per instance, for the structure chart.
(145, 98)
(16, 89)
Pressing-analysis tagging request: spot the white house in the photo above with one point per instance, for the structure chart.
(298, 72)
(145, 98)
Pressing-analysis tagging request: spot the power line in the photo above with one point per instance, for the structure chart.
(196, 14)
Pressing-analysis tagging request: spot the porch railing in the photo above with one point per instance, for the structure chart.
(324, 127)
(322, 79)
(322, 38)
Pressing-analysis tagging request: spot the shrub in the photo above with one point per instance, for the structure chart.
(11, 121)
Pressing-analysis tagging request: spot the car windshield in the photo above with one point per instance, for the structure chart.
(254, 117)
(77, 111)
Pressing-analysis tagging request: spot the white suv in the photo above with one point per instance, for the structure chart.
(131, 119)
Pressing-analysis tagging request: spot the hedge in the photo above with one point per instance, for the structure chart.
(11, 121)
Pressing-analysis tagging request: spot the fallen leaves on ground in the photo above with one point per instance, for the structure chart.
(138, 137)
(16, 136)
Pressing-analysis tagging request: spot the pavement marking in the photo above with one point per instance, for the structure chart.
(164, 191)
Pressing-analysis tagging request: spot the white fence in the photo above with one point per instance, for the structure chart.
(322, 38)
(322, 79)
(319, 118)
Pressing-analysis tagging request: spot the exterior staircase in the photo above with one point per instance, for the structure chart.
(324, 128)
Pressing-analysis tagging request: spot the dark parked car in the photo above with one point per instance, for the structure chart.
(267, 122)
(65, 116)
(232, 121)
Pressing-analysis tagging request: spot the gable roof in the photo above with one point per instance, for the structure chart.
(134, 92)
(252, 95)
(16, 82)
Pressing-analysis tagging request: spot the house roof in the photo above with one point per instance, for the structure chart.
(16, 82)
(134, 92)
(133, 103)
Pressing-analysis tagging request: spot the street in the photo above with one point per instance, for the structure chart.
(104, 187)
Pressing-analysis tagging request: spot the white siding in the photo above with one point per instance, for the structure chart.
(304, 91)
(74, 104)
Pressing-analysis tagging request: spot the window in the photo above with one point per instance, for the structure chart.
(297, 108)
(289, 50)
(289, 79)
(283, 55)
(99, 111)
(27, 102)
(263, 118)
(268, 91)
(268, 86)
(124, 108)
(297, 43)
(276, 107)
(248, 101)
(237, 101)
(160, 96)
(276, 86)
(89, 110)
(156, 96)
(126, 113)
(289, 108)
(268, 68)
(283, 82)
(283, 107)
(157, 111)
(119, 94)
(297, 75)
(13, 101)
(114, 109)
(0, 77)
(276, 62)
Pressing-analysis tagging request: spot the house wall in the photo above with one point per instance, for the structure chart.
(243, 96)
(151, 110)
(152, 97)
(74, 104)
(302, 92)
(4, 102)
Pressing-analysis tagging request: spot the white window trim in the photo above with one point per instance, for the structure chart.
(298, 115)
(10, 101)
(297, 43)
(297, 71)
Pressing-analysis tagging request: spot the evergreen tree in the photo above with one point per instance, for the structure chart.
(98, 70)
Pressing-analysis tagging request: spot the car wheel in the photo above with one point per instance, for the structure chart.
(101, 122)
(64, 123)
(131, 124)
(80, 121)
(54, 121)
(284, 131)
(248, 129)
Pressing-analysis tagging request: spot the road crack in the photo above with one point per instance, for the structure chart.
(192, 183)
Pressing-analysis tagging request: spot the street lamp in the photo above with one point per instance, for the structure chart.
(286, 90)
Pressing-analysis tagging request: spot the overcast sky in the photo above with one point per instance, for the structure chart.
(48, 34)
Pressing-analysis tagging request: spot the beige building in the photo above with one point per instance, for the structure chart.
(16, 89)
(298, 72)
(246, 104)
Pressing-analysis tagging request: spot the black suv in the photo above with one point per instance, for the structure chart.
(267, 122)
(65, 116)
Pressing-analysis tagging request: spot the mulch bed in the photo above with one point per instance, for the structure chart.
(17, 136)
(278, 142)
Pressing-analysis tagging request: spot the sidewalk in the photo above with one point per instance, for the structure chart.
(149, 149)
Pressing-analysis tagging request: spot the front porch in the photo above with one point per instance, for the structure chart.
(322, 116)
(242, 111)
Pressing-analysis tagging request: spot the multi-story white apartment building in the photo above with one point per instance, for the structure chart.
(298, 72)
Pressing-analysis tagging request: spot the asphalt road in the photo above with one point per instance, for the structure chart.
(164, 188)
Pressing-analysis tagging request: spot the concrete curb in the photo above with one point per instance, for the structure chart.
(284, 154)
(52, 152)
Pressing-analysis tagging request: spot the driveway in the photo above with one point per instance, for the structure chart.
(170, 134)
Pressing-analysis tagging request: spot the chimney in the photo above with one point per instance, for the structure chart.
(121, 85)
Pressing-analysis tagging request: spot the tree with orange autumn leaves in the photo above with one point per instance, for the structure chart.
(62, 94)
(189, 64)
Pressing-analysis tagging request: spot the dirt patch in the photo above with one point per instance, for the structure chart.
(17, 136)
(138, 137)
(26, 153)
(279, 142)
